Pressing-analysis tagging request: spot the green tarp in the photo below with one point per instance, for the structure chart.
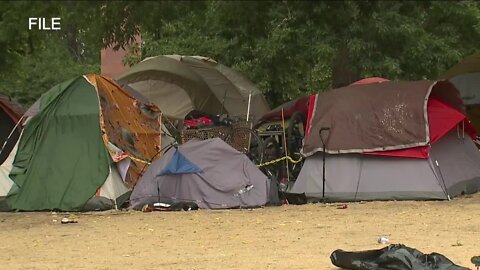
(63, 137)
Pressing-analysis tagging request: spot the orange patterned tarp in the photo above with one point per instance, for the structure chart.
(130, 127)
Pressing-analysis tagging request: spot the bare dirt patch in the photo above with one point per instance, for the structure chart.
(286, 237)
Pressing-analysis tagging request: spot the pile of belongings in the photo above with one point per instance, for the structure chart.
(197, 119)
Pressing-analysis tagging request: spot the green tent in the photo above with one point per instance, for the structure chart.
(62, 159)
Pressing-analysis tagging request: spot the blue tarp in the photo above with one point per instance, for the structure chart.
(179, 164)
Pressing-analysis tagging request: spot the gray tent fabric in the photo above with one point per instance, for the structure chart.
(228, 179)
(377, 117)
(451, 169)
(179, 84)
(465, 75)
(469, 87)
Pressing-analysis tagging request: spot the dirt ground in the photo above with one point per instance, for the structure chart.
(285, 237)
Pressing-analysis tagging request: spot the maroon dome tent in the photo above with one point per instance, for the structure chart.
(390, 140)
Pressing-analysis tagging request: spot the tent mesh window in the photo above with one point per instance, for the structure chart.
(236, 135)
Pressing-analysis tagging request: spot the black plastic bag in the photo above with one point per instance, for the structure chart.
(392, 257)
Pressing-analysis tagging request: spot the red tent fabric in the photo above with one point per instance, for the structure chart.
(11, 108)
(10, 113)
(312, 101)
(289, 108)
(441, 119)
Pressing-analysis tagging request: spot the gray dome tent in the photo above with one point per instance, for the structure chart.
(389, 141)
(210, 173)
(179, 84)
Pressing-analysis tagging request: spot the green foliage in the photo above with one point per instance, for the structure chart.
(291, 48)
(287, 48)
(36, 73)
(31, 62)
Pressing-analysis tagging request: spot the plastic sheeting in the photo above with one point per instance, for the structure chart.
(392, 257)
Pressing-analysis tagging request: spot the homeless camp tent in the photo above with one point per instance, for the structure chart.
(466, 77)
(10, 114)
(390, 140)
(179, 84)
(84, 144)
(209, 173)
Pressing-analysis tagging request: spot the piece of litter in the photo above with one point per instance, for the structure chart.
(382, 240)
(66, 221)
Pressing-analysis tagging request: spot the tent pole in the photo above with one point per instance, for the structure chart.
(285, 147)
(443, 180)
(323, 173)
(248, 107)
(323, 158)
(223, 101)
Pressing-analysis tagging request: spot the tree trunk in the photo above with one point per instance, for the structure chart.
(343, 72)
(71, 35)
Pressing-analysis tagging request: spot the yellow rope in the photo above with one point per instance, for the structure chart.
(139, 160)
(278, 160)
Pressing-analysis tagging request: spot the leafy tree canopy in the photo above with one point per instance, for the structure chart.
(288, 48)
